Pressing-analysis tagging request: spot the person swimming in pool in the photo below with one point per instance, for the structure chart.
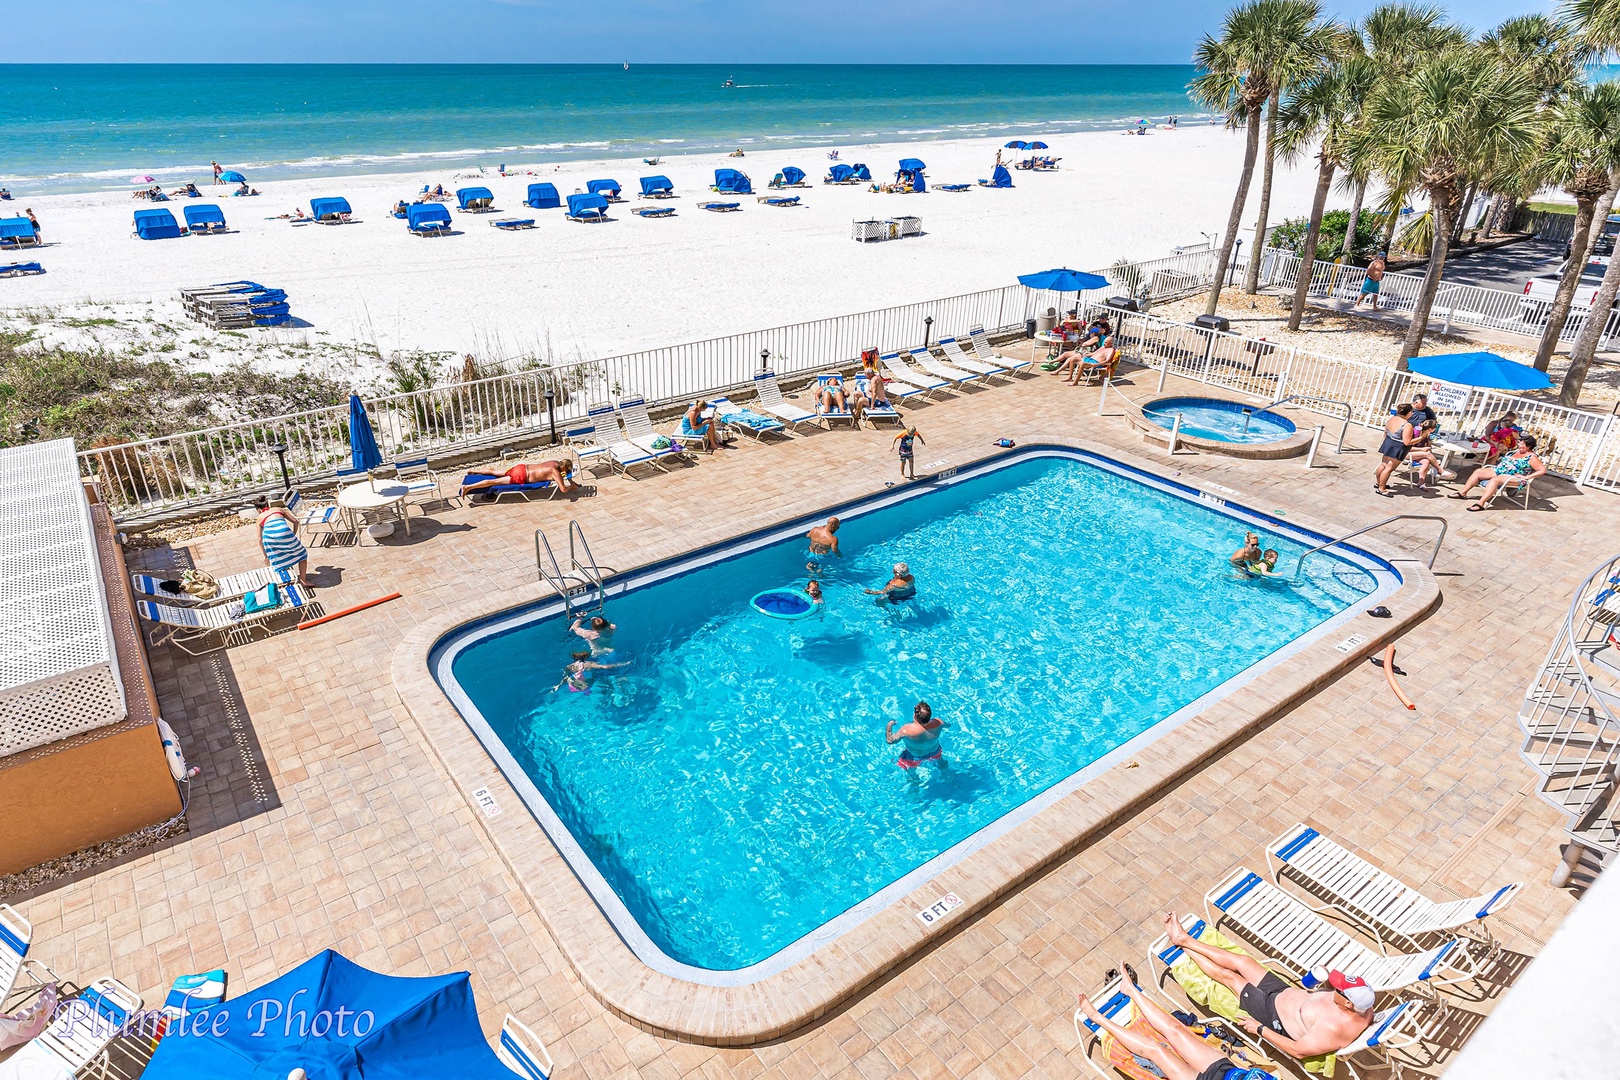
(921, 737)
(1249, 553)
(597, 632)
(1265, 566)
(577, 675)
(903, 586)
(813, 591)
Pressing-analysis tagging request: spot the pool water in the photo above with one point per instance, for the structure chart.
(732, 785)
(1219, 421)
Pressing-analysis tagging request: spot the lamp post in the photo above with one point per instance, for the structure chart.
(551, 413)
(280, 450)
(1231, 269)
(764, 360)
(928, 330)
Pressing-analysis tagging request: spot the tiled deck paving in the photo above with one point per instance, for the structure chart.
(323, 819)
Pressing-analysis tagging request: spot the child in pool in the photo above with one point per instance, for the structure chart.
(1266, 566)
(575, 675)
(813, 591)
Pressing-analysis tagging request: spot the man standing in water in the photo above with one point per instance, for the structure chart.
(921, 737)
(824, 539)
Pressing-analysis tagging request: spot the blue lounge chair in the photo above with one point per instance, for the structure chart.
(1001, 178)
(18, 232)
(205, 218)
(874, 412)
(493, 494)
(657, 187)
(427, 219)
(587, 208)
(720, 207)
(157, 225)
(330, 211)
(513, 224)
(911, 172)
(475, 200)
(841, 174)
(608, 189)
(780, 200)
(830, 415)
(18, 269)
(955, 187)
(732, 182)
(542, 197)
(655, 211)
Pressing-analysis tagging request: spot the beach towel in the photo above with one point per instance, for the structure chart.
(1219, 999)
(282, 548)
(24, 1024)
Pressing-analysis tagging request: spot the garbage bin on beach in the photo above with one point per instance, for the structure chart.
(1046, 321)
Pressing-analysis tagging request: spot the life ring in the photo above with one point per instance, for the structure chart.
(786, 604)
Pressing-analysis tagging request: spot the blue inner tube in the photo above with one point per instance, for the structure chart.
(786, 604)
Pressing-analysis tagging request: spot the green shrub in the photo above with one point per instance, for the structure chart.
(1290, 235)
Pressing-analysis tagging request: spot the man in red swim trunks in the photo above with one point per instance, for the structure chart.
(556, 472)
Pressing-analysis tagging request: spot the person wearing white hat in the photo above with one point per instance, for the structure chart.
(1301, 1023)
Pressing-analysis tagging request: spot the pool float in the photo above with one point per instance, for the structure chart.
(787, 604)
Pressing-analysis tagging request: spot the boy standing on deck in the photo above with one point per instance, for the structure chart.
(908, 461)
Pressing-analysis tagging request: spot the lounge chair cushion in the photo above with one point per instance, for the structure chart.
(502, 489)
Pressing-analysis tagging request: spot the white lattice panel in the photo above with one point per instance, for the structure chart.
(58, 667)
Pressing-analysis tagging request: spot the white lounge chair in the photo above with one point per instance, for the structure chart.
(1114, 1005)
(522, 1051)
(1302, 939)
(638, 428)
(1394, 912)
(986, 354)
(222, 625)
(587, 445)
(623, 454)
(941, 370)
(771, 400)
(874, 413)
(231, 586)
(904, 376)
(79, 1036)
(1393, 1028)
(957, 358)
(844, 414)
(754, 425)
(17, 972)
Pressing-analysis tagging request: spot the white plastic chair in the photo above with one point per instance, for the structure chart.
(522, 1051)
(84, 1027)
(16, 934)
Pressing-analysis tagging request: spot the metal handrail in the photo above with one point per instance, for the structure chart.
(555, 577)
(1338, 447)
(1378, 525)
(591, 573)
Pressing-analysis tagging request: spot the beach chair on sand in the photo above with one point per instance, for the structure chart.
(822, 382)
(78, 1037)
(955, 357)
(940, 370)
(1395, 1027)
(17, 972)
(772, 401)
(608, 189)
(657, 187)
(902, 379)
(654, 211)
(19, 269)
(622, 454)
(204, 218)
(720, 207)
(587, 208)
(875, 413)
(224, 625)
(982, 350)
(638, 428)
(19, 232)
(780, 200)
(522, 1051)
(754, 425)
(511, 224)
(1302, 939)
(231, 586)
(1392, 911)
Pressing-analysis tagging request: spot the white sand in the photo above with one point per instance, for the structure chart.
(568, 290)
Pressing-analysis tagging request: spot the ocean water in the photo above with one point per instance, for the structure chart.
(73, 127)
(732, 784)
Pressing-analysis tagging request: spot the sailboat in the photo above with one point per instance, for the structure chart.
(627, 65)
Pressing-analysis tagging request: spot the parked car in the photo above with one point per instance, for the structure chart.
(1605, 243)
(1539, 291)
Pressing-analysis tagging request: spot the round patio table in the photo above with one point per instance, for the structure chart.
(374, 496)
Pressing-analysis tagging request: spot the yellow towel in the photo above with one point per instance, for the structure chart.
(1220, 1000)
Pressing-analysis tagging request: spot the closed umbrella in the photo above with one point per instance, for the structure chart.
(1484, 370)
(230, 176)
(362, 442)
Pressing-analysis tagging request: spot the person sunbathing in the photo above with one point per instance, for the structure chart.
(695, 426)
(830, 397)
(1104, 359)
(555, 472)
(1176, 1053)
(1301, 1023)
(1516, 469)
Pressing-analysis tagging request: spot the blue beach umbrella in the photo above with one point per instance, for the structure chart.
(1036, 146)
(361, 441)
(1017, 144)
(1063, 280)
(1484, 370)
(233, 177)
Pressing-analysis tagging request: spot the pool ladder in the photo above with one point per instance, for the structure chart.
(1434, 554)
(584, 576)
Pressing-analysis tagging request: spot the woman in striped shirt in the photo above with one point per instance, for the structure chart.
(278, 536)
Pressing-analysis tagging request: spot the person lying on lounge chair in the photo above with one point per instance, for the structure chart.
(1176, 1053)
(557, 472)
(1096, 338)
(1519, 466)
(830, 398)
(1301, 1023)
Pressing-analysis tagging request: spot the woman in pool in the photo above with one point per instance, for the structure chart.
(903, 586)
(577, 675)
(1250, 552)
(694, 426)
(921, 737)
(557, 472)
(596, 631)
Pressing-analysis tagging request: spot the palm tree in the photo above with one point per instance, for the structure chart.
(1581, 152)
(1324, 109)
(1598, 25)
(1544, 49)
(1457, 116)
(1237, 77)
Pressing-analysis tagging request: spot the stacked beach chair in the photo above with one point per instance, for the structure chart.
(234, 305)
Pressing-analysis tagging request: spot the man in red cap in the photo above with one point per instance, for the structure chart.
(1300, 1023)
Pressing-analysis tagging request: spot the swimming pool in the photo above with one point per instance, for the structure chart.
(728, 798)
(1219, 420)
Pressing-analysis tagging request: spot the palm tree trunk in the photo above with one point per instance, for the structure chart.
(1600, 216)
(1443, 212)
(1251, 278)
(1355, 219)
(1462, 214)
(1393, 220)
(1307, 258)
(1234, 220)
(1580, 357)
(1559, 313)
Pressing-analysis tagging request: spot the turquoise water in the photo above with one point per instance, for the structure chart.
(78, 127)
(733, 786)
(1219, 421)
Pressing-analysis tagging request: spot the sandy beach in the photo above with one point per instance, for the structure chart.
(565, 290)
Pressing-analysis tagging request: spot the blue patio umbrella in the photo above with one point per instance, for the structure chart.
(232, 177)
(1017, 144)
(1036, 146)
(335, 1020)
(1481, 369)
(362, 442)
(1063, 280)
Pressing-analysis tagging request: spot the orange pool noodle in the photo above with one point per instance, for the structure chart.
(360, 607)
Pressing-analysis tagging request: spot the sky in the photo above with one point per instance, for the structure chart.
(641, 31)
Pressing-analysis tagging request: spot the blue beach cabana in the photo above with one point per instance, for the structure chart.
(543, 197)
(587, 207)
(841, 174)
(156, 225)
(369, 1025)
(732, 182)
(18, 232)
(790, 176)
(861, 173)
(657, 187)
(427, 219)
(608, 189)
(911, 172)
(475, 199)
(205, 218)
(1001, 178)
(332, 211)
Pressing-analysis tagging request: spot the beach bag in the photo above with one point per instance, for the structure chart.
(661, 443)
(199, 584)
(261, 599)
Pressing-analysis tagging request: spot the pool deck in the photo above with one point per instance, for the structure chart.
(324, 817)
